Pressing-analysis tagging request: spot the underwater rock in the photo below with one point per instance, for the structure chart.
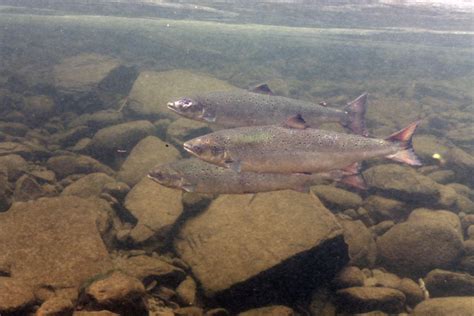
(89, 185)
(122, 137)
(416, 247)
(83, 72)
(440, 283)
(55, 306)
(117, 292)
(5, 189)
(116, 189)
(56, 242)
(72, 136)
(427, 145)
(189, 311)
(413, 293)
(459, 306)
(442, 216)
(38, 108)
(349, 277)
(442, 176)
(16, 296)
(336, 198)
(276, 310)
(153, 90)
(95, 313)
(66, 165)
(385, 279)
(27, 188)
(148, 153)
(381, 208)
(184, 129)
(14, 129)
(402, 182)
(382, 227)
(155, 207)
(186, 291)
(469, 247)
(366, 299)
(279, 243)
(362, 247)
(467, 264)
(97, 120)
(147, 269)
(25, 150)
(83, 81)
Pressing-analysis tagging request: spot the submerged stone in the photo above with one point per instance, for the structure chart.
(415, 247)
(155, 207)
(459, 306)
(55, 242)
(248, 250)
(148, 153)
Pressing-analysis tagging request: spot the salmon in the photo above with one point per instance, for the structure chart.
(195, 175)
(239, 108)
(296, 148)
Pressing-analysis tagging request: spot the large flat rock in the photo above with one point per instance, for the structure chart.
(249, 250)
(55, 242)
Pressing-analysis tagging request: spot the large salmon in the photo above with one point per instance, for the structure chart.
(239, 108)
(295, 148)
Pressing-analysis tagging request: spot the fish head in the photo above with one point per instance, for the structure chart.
(167, 176)
(208, 148)
(187, 107)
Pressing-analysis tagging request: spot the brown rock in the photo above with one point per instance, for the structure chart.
(155, 207)
(362, 247)
(336, 198)
(349, 277)
(55, 306)
(262, 244)
(415, 247)
(459, 306)
(26, 188)
(66, 229)
(67, 165)
(15, 166)
(276, 310)
(189, 311)
(412, 291)
(147, 268)
(117, 292)
(15, 295)
(148, 153)
(366, 299)
(186, 291)
(441, 283)
(382, 208)
(90, 185)
(96, 313)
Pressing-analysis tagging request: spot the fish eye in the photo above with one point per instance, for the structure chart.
(215, 150)
(186, 103)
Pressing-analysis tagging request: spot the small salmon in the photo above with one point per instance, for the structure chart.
(295, 148)
(195, 175)
(239, 108)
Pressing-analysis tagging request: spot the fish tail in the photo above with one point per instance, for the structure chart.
(356, 110)
(404, 139)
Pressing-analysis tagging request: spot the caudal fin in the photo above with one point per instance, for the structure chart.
(404, 139)
(356, 110)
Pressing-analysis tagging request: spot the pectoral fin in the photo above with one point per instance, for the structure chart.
(208, 116)
(263, 89)
(233, 165)
(296, 122)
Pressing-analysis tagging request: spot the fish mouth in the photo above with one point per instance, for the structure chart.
(189, 148)
(171, 106)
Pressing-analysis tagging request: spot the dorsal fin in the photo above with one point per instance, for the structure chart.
(263, 89)
(296, 121)
(405, 134)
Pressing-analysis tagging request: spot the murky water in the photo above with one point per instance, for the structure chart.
(83, 120)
